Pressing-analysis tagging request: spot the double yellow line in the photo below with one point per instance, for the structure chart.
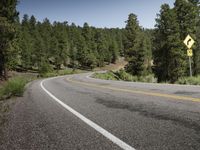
(149, 93)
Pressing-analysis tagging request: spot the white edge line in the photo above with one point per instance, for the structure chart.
(102, 131)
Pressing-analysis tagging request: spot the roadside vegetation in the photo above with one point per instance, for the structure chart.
(105, 76)
(66, 71)
(189, 80)
(15, 86)
(46, 48)
(124, 76)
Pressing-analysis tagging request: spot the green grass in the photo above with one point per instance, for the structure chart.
(106, 76)
(124, 76)
(67, 71)
(13, 87)
(148, 78)
(189, 80)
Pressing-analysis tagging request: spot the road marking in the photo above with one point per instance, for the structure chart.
(175, 97)
(99, 129)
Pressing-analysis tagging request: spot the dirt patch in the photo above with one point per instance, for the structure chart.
(120, 64)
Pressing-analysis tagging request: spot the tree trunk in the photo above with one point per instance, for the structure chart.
(5, 75)
(1, 65)
(3, 70)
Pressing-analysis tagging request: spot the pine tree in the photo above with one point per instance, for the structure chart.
(86, 32)
(40, 55)
(89, 53)
(136, 59)
(102, 49)
(27, 41)
(45, 30)
(147, 48)
(62, 52)
(73, 54)
(113, 49)
(26, 49)
(25, 21)
(169, 57)
(32, 23)
(8, 17)
(131, 31)
(186, 11)
(14, 50)
(187, 17)
(134, 47)
(197, 50)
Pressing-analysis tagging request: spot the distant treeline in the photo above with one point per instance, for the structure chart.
(60, 44)
(44, 46)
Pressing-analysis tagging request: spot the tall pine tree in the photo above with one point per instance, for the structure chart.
(8, 17)
(134, 47)
(187, 16)
(169, 58)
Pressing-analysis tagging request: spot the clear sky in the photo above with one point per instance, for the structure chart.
(98, 13)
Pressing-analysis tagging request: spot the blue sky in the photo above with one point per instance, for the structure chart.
(98, 13)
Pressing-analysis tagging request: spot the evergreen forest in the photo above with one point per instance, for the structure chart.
(27, 44)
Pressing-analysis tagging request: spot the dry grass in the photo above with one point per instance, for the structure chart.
(120, 64)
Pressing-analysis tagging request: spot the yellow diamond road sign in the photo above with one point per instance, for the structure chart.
(189, 52)
(189, 42)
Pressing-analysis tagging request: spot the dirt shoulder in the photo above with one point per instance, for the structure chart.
(7, 104)
(5, 108)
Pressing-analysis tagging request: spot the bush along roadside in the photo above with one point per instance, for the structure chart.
(53, 73)
(124, 76)
(13, 87)
(189, 80)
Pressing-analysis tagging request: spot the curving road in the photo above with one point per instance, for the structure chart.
(78, 112)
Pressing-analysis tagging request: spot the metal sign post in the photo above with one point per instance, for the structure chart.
(189, 42)
(190, 63)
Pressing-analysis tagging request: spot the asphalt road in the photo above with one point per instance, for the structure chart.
(78, 112)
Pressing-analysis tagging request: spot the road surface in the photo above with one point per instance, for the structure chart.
(78, 112)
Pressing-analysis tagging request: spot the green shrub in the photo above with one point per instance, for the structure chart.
(123, 75)
(44, 69)
(54, 73)
(14, 87)
(106, 76)
(189, 80)
(49, 74)
(148, 78)
(65, 72)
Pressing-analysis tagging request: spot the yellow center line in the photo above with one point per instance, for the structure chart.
(175, 97)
